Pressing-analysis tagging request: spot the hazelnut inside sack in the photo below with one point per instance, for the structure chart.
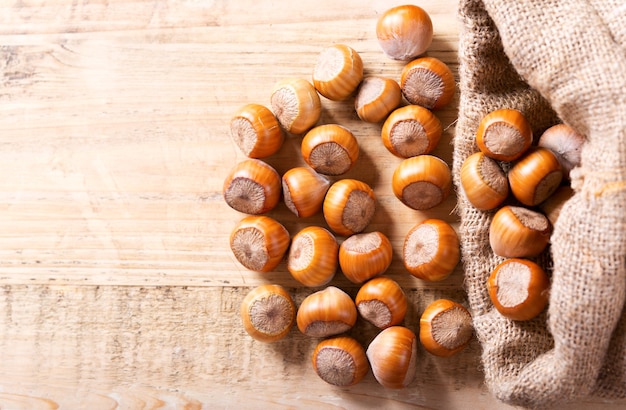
(553, 60)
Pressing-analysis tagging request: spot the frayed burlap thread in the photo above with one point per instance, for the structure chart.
(554, 60)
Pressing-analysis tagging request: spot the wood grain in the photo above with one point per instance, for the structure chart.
(182, 347)
(117, 287)
(116, 133)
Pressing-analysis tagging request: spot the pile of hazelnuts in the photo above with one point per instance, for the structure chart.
(314, 254)
(525, 184)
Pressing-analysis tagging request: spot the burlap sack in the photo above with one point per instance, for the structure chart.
(554, 60)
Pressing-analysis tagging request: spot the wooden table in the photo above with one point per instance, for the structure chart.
(117, 285)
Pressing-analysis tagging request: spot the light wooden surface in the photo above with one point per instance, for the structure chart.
(117, 286)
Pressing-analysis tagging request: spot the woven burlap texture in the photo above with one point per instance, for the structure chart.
(554, 60)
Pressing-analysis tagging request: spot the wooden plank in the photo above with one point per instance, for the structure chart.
(182, 347)
(117, 142)
(113, 345)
